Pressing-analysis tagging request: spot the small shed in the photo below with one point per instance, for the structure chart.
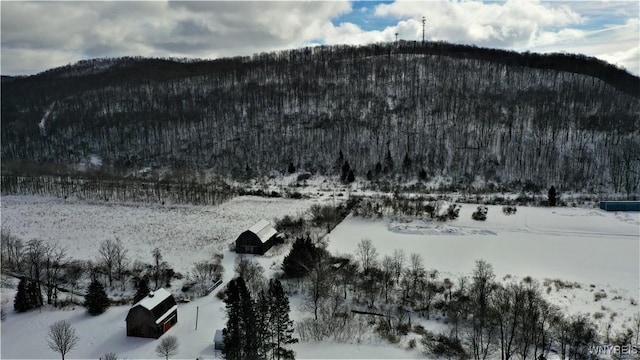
(257, 240)
(218, 340)
(620, 205)
(152, 316)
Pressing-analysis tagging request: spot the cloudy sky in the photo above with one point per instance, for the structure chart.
(36, 36)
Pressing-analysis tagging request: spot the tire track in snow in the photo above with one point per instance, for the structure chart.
(540, 231)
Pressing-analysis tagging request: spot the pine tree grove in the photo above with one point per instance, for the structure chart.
(258, 329)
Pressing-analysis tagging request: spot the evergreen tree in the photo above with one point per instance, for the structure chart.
(552, 196)
(248, 172)
(240, 334)
(345, 171)
(351, 177)
(339, 162)
(22, 301)
(369, 175)
(232, 333)
(263, 306)
(378, 169)
(388, 162)
(28, 296)
(422, 175)
(282, 325)
(302, 253)
(96, 300)
(142, 289)
(251, 345)
(406, 163)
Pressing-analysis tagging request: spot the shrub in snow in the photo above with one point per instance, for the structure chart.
(445, 211)
(599, 296)
(442, 345)
(480, 214)
(110, 356)
(509, 210)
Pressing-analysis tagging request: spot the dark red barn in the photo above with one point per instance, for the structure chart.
(152, 316)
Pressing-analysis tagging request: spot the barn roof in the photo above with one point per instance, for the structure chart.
(263, 230)
(151, 301)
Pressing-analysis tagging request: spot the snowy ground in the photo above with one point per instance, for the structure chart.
(184, 233)
(595, 249)
(586, 246)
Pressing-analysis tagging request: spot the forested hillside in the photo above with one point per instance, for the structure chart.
(392, 110)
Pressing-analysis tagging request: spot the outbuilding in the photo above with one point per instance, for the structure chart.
(152, 316)
(620, 205)
(258, 239)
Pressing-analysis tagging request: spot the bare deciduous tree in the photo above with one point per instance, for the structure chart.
(387, 276)
(417, 271)
(252, 273)
(34, 257)
(398, 264)
(121, 264)
(62, 337)
(317, 286)
(167, 347)
(54, 262)
(367, 253)
(157, 266)
(113, 257)
(12, 251)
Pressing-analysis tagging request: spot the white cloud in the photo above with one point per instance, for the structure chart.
(628, 59)
(512, 23)
(617, 44)
(80, 30)
(587, 27)
(40, 35)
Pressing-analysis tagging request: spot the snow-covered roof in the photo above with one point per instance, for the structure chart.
(263, 230)
(166, 314)
(151, 302)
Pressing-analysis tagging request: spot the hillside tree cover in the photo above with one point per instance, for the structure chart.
(404, 110)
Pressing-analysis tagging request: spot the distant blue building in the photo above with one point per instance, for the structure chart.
(620, 205)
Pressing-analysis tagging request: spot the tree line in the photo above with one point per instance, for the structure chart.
(118, 190)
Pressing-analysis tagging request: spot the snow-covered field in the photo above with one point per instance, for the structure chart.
(594, 249)
(184, 233)
(587, 246)
(583, 245)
